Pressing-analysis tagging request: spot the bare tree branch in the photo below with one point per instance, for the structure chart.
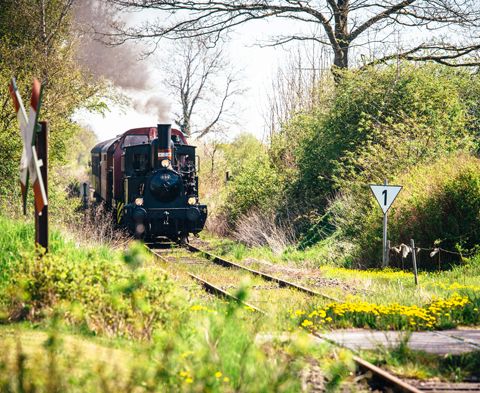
(437, 53)
(340, 22)
(194, 82)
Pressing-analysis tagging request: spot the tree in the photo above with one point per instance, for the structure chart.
(36, 40)
(298, 86)
(340, 24)
(194, 81)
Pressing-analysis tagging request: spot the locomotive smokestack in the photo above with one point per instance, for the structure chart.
(164, 133)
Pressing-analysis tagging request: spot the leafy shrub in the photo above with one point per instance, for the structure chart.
(441, 204)
(382, 122)
(438, 205)
(238, 156)
(256, 186)
(107, 292)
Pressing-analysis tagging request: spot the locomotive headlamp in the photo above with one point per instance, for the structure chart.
(165, 163)
(192, 200)
(139, 201)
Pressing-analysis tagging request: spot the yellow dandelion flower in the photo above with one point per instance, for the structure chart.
(218, 374)
(307, 323)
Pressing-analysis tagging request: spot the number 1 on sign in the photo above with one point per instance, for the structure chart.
(384, 193)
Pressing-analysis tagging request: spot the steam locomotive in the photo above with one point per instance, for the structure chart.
(148, 177)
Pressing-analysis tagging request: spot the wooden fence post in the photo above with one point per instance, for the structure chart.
(414, 260)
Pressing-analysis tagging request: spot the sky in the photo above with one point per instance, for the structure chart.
(258, 65)
(143, 82)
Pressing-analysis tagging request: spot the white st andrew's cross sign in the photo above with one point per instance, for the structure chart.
(29, 163)
(385, 195)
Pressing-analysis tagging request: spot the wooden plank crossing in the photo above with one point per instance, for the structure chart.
(448, 342)
(446, 387)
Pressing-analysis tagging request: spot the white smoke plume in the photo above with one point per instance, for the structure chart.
(120, 64)
(154, 105)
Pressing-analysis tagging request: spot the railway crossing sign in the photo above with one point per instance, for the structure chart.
(385, 195)
(30, 164)
(33, 164)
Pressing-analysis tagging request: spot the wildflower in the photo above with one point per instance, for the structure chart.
(226, 379)
(218, 374)
(189, 380)
(307, 323)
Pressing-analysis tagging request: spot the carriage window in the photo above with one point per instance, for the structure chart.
(132, 140)
(140, 162)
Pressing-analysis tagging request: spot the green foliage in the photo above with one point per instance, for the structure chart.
(104, 291)
(27, 53)
(215, 351)
(256, 186)
(420, 365)
(439, 205)
(381, 122)
(183, 348)
(436, 314)
(15, 237)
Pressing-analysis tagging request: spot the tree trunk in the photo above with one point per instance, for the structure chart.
(340, 60)
(341, 57)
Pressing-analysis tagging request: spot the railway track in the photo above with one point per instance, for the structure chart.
(378, 378)
(281, 282)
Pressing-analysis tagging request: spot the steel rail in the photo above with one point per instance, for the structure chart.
(375, 373)
(395, 383)
(209, 287)
(282, 283)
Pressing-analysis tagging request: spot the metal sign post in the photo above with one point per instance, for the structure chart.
(41, 217)
(384, 243)
(85, 194)
(385, 195)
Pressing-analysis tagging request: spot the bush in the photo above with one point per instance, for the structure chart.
(382, 122)
(439, 205)
(108, 292)
(256, 186)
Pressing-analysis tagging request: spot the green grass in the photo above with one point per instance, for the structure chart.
(373, 289)
(403, 361)
(318, 255)
(80, 300)
(77, 318)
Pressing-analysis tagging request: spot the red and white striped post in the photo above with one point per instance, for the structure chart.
(33, 157)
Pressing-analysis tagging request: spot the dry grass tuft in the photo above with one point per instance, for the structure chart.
(263, 229)
(98, 226)
(218, 224)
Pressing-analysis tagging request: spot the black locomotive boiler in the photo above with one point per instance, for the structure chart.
(148, 177)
